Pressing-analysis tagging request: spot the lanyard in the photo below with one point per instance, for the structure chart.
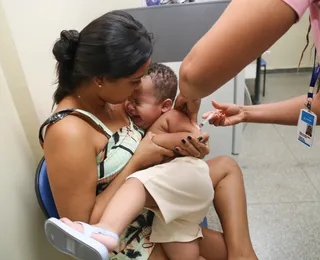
(314, 78)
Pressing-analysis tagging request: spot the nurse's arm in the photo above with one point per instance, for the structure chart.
(244, 31)
(283, 112)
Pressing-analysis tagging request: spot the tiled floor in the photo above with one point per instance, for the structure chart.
(282, 180)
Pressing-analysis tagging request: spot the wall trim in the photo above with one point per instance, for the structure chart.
(289, 70)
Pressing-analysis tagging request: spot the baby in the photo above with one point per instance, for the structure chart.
(181, 189)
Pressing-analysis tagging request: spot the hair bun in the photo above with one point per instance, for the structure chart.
(65, 48)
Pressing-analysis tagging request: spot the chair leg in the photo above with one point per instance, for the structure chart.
(264, 80)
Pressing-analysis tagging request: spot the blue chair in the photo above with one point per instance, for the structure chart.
(204, 223)
(153, 2)
(44, 194)
(43, 191)
(264, 66)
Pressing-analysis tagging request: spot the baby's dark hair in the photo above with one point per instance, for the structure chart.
(165, 81)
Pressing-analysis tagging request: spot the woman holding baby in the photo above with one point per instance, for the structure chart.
(91, 145)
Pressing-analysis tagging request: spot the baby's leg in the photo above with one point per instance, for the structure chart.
(123, 208)
(183, 250)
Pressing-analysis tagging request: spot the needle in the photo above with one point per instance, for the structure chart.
(207, 119)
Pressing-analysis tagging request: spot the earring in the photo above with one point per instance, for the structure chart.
(100, 86)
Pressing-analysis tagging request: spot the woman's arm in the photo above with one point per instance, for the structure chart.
(284, 112)
(71, 162)
(244, 31)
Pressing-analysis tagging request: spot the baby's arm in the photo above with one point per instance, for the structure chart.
(171, 128)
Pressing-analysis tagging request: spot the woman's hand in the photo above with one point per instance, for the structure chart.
(149, 154)
(226, 115)
(196, 146)
(190, 107)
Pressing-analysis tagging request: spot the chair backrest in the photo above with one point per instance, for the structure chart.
(43, 191)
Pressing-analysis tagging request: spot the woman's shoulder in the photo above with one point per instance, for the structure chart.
(71, 129)
(70, 123)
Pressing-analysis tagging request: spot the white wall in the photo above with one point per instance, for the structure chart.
(286, 52)
(22, 235)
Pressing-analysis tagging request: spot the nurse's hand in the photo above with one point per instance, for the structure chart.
(226, 114)
(190, 107)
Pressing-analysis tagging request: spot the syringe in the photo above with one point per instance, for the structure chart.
(207, 119)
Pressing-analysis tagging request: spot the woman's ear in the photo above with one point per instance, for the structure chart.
(98, 81)
(166, 105)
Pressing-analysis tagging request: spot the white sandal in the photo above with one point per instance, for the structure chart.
(77, 244)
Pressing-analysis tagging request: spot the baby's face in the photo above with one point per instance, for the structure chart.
(142, 106)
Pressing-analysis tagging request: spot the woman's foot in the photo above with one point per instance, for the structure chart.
(109, 242)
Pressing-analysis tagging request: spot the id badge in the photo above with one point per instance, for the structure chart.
(306, 127)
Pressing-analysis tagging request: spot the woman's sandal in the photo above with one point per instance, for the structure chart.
(76, 244)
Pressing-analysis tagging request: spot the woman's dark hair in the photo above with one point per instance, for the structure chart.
(312, 49)
(112, 46)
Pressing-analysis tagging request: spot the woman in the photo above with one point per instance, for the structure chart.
(98, 70)
(244, 31)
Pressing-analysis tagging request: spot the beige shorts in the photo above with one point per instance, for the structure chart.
(183, 191)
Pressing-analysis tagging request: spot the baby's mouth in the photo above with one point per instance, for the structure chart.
(132, 115)
(135, 117)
